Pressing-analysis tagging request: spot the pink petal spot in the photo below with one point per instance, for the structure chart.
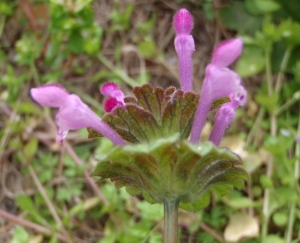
(51, 95)
(227, 52)
(183, 22)
(110, 103)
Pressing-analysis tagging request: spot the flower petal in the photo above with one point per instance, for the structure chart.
(110, 103)
(183, 22)
(51, 95)
(219, 82)
(76, 115)
(223, 119)
(227, 52)
(113, 90)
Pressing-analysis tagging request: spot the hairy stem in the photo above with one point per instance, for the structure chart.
(171, 220)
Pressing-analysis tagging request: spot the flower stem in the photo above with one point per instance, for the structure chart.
(171, 220)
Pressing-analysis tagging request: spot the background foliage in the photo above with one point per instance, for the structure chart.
(82, 44)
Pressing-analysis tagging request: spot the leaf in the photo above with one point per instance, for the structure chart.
(201, 203)
(172, 168)
(154, 113)
(76, 42)
(273, 239)
(234, 16)
(20, 235)
(147, 48)
(251, 61)
(30, 149)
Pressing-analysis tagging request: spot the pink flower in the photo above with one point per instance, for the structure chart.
(73, 113)
(114, 95)
(225, 115)
(185, 46)
(219, 82)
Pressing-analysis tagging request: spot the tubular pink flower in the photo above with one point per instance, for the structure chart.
(219, 82)
(227, 52)
(225, 115)
(185, 46)
(73, 113)
(223, 119)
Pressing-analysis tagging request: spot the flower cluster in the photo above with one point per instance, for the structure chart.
(219, 82)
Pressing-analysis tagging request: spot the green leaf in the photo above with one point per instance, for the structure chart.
(234, 16)
(268, 101)
(251, 61)
(289, 32)
(267, 6)
(76, 42)
(147, 48)
(20, 235)
(273, 239)
(30, 149)
(172, 168)
(201, 203)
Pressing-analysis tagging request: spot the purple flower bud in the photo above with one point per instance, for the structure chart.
(51, 95)
(112, 91)
(183, 22)
(185, 46)
(226, 113)
(223, 119)
(73, 113)
(227, 52)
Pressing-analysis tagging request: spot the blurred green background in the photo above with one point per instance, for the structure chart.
(46, 194)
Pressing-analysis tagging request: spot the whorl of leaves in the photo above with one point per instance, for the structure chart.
(173, 169)
(154, 113)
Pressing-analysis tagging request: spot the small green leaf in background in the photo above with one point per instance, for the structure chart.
(147, 48)
(28, 49)
(30, 149)
(273, 239)
(280, 218)
(234, 16)
(251, 61)
(20, 235)
(76, 42)
(268, 101)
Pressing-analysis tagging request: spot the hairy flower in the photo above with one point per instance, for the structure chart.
(225, 115)
(73, 113)
(219, 82)
(185, 46)
(114, 96)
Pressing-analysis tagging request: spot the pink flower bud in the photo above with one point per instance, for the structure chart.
(183, 22)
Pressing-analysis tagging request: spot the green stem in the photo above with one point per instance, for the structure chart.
(171, 220)
(2, 23)
(282, 69)
(269, 163)
(290, 226)
(117, 71)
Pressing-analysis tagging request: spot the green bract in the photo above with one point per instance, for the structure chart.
(170, 168)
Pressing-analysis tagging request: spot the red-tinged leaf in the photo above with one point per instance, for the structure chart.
(171, 168)
(154, 113)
